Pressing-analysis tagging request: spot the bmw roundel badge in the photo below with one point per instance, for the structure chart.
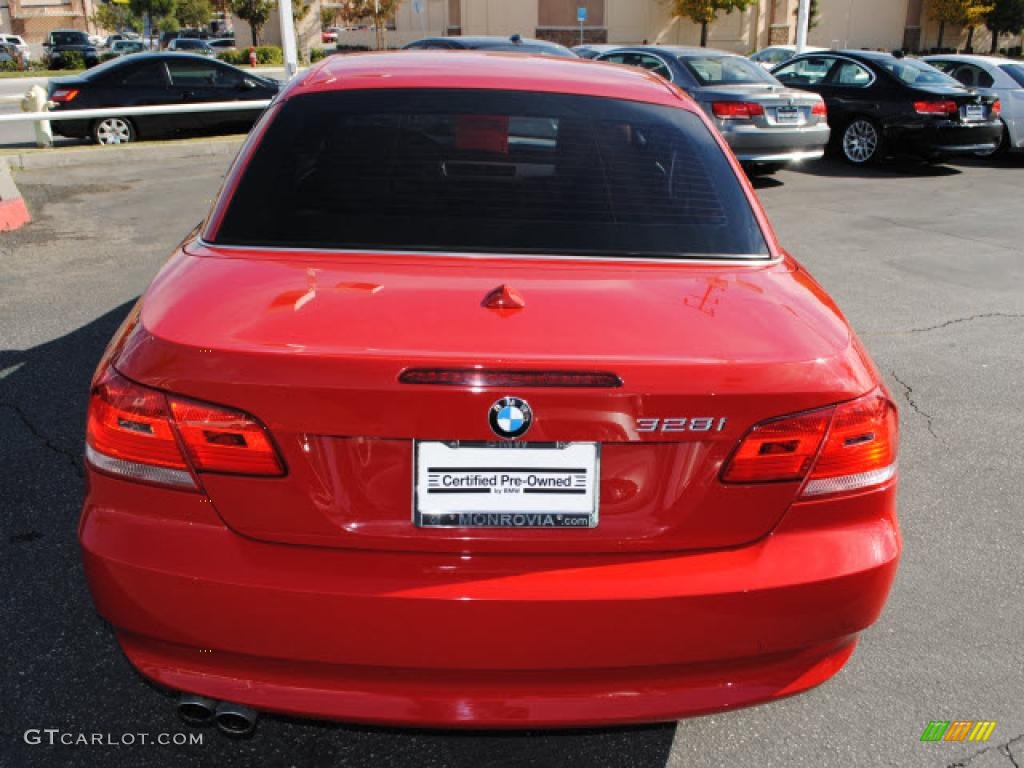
(510, 417)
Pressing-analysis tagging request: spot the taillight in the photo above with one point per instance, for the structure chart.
(841, 448)
(936, 107)
(140, 433)
(997, 107)
(819, 109)
(223, 440)
(736, 110)
(64, 95)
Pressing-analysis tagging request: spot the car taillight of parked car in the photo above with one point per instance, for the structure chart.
(64, 95)
(997, 108)
(846, 447)
(936, 107)
(736, 110)
(819, 109)
(143, 434)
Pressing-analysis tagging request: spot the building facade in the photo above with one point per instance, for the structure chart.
(34, 19)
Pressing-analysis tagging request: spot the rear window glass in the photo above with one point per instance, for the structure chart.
(725, 70)
(1016, 71)
(915, 73)
(490, 171)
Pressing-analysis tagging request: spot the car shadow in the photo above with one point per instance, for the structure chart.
(66, 670)
(896, 167)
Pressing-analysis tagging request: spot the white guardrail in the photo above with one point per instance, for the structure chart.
(155, 109)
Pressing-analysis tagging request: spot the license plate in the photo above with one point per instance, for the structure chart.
(974, 112)
(787, 115)
(506, 486)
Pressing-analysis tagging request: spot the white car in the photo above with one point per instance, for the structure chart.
(996, 76)
(771, 57)
(18, 42)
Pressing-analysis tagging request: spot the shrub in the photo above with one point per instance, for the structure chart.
(265, 54)
(346, 48)
(8, 66)
(107, 56)
(68, 60)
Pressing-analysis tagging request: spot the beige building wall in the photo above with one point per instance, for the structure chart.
(858, 24)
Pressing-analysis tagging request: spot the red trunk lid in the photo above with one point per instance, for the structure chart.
(313, 345)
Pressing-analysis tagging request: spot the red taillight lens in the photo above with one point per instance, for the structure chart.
(223, 440)
(137, 432)
(936, 107)
(997, 107)
(859, 449)
(780, 449)
(736, 110)
(819, 109)
(64, 95)
(129, 433)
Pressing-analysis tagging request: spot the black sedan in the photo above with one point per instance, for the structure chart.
(881, 104)
(144, 79)
(515, 44)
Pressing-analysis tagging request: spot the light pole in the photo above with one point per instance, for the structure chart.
(803, 19)
(287, 24)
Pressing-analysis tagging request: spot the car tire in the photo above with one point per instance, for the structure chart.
(861, 142)
(113, 130)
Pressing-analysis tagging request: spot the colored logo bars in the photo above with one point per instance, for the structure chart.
(958, 730)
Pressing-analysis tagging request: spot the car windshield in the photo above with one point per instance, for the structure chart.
(69, 38)
(490, 171)
(913, 72)
(725, 70)
(1016, 71)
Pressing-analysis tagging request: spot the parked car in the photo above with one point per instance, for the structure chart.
(61, 41)
(486, 43)
(772, 56)
(157, 78)
(19, 45)
(766, 124)
(660, 509)
(592, 50)
(192, 45)
(111, 39)
(1002, 78)
(222, 44)
(880, 104)
(123, 47)
(330, 35)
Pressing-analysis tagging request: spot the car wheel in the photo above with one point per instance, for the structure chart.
(113, 130)
(862, 142)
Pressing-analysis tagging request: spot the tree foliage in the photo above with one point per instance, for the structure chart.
(328, 16)
(116, 17)
(704, 12)
(193, 14)
(1006, 17)
(255, 13)
(964, 13)
(377, 11)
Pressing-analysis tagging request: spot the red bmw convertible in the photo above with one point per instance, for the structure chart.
(485, 396)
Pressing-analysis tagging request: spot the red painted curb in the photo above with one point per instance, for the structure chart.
(13, 214)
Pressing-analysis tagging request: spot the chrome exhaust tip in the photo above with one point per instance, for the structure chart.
(196, 710)
(235, 719)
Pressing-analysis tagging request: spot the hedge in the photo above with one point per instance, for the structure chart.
(265, 54)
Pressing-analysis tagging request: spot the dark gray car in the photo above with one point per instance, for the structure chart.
(766, 124)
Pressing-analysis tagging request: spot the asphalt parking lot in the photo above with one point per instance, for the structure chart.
(928, 264)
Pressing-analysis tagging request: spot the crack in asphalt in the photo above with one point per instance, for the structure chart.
(43, 439)
(969, 318)
(1002, 749)
(908, 394)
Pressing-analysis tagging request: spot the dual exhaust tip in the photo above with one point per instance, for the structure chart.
(231, 719)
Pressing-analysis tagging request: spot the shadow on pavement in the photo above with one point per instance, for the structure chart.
(63, 669)
(897, 167)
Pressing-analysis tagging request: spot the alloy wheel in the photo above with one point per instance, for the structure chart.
(113, 130)
(860, 141)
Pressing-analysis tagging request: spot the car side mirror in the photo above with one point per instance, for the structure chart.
(248, 84)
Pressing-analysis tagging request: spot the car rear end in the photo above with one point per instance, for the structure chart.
(424, 464)
(947, 121)
(763, 121)
(72, 92)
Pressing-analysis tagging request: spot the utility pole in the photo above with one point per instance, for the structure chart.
(287, 24)
(803, 19)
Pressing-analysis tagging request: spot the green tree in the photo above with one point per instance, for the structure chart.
(193, 14)
(964, 13)
(116, 17)
(378, 11)
(255, 13)
(328, 16)
(1006, 17)
(703, 12)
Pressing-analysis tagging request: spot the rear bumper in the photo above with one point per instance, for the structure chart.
(944, 138)
(751, 143)
(490, 640)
